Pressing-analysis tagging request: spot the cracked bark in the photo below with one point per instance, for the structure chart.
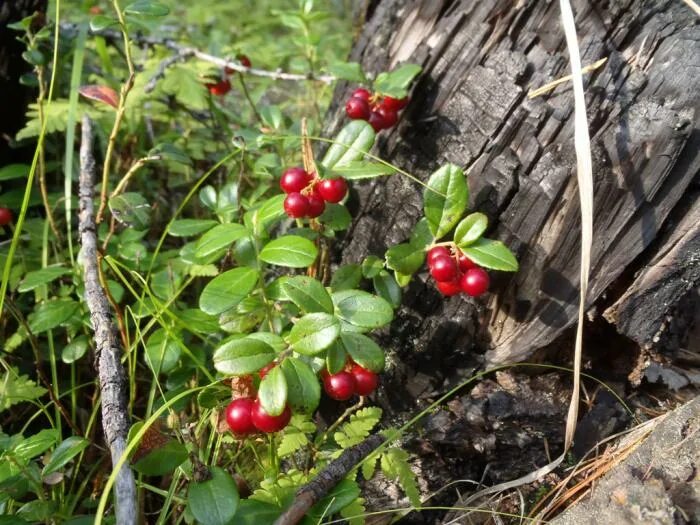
(113, 382)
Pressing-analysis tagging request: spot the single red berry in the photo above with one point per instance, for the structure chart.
(5, 216)
(316, 205)
(333, 190)
(449, 288)
(265, 369)
(340, 386)
(357, 108)
(244, 60)
(267, 423)
(294, 179)
(394, 104)
(296, 205)
(220, 88)
(362, 93)
(366, 381)
(239, 416)
(444, 269)
(464, 262)
(475, 282)
(389, 116)
(435, 252)
(376, 121)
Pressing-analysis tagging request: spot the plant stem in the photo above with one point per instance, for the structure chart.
(42, 157)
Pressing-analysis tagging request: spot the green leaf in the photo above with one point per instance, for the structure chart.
(336, 217)
(387, 288)
(254, 512)
(351, 71)
(371, 266)
(64, 452)
(361, 169)
(289, 250)
(274, 340)
(470, 229)
(162, 353)
(358, 426)
(214, 501)
(243, 356)
(131, 209)
(313, 333)
(163, 460)
(170, 152)
(491, 254)
(14, 171)
(396, 83)
(227, 290)
(364, 351)
(16, 388)
(362, 310)
(188, 227)
(272, 116)
(395, 466)
(51, 314)
(421, 235)
(75, 349)
(342, 495)
(184, 83)
(35, 445)
(303, 389)
(294, 435)
(355, 512)
(352, 143)
(346, 277)
(37, 511)
(146, 8)
(101, 22)
(40, 277)
(336, 357)
(308, 294)
(273, 392)
(405, 258)
(445, 199)
(269, 212)
(218, 238)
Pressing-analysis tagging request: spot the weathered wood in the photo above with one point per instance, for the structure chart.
(470, 107)
(108, 351)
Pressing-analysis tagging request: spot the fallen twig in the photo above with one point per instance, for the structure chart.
(115, 422)
(329, 477)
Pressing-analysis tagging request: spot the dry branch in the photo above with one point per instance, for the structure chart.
(329, 477)
(115, 422)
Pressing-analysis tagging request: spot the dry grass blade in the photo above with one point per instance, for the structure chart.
(548, 87)
(693, 6)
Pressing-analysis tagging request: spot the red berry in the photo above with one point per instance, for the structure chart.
(244, 60)
(475, 282)
(333, 190)
(394, 104)
(220, 88)
(389, 116)
(449, 288)
(464, 262)
(296, 205)
(267, 423)
(265, 369)
(239, 416)
(5, 216)
(366, 381)
(294, 179)
(444, 269)
(435, 252)
(340, 386)
(362, 93)
(376, 121)
(316, 205)
(357, 108)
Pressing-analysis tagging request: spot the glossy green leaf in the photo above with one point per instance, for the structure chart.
(445, 199)
(352, 143)
(214, 501)
(269, 212)
(405, 258)
(256, 512)
(336, 217)
(387, 288)
(163, 460)
(308, 294)
(273, 392)
(346, 277)
(421, 236)
(274, 340)
(336, 357)
(313, 333)
(131, 209)
(243, 356)
(491, 254)
(170, 152)
(36, 444)
(75, 349)
(364, 351)
(470, 229)
(362, 310)
(14, 171)
(371, 266)
(162, 353)
(218, 238)
(67, 450)
(303, 389)
(101, 22)
(227, 290)
(188, 227)
(51, 314)
(291, 251)
(40, 277)
(351, 71)
(344, 493)
(396, 83)
(361, 169)
(146, 8)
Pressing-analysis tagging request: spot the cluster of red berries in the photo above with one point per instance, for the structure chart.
(5, 216)
(456, 273)
(380, 112)
(223, 86)
(353, 379)
(307, 194)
